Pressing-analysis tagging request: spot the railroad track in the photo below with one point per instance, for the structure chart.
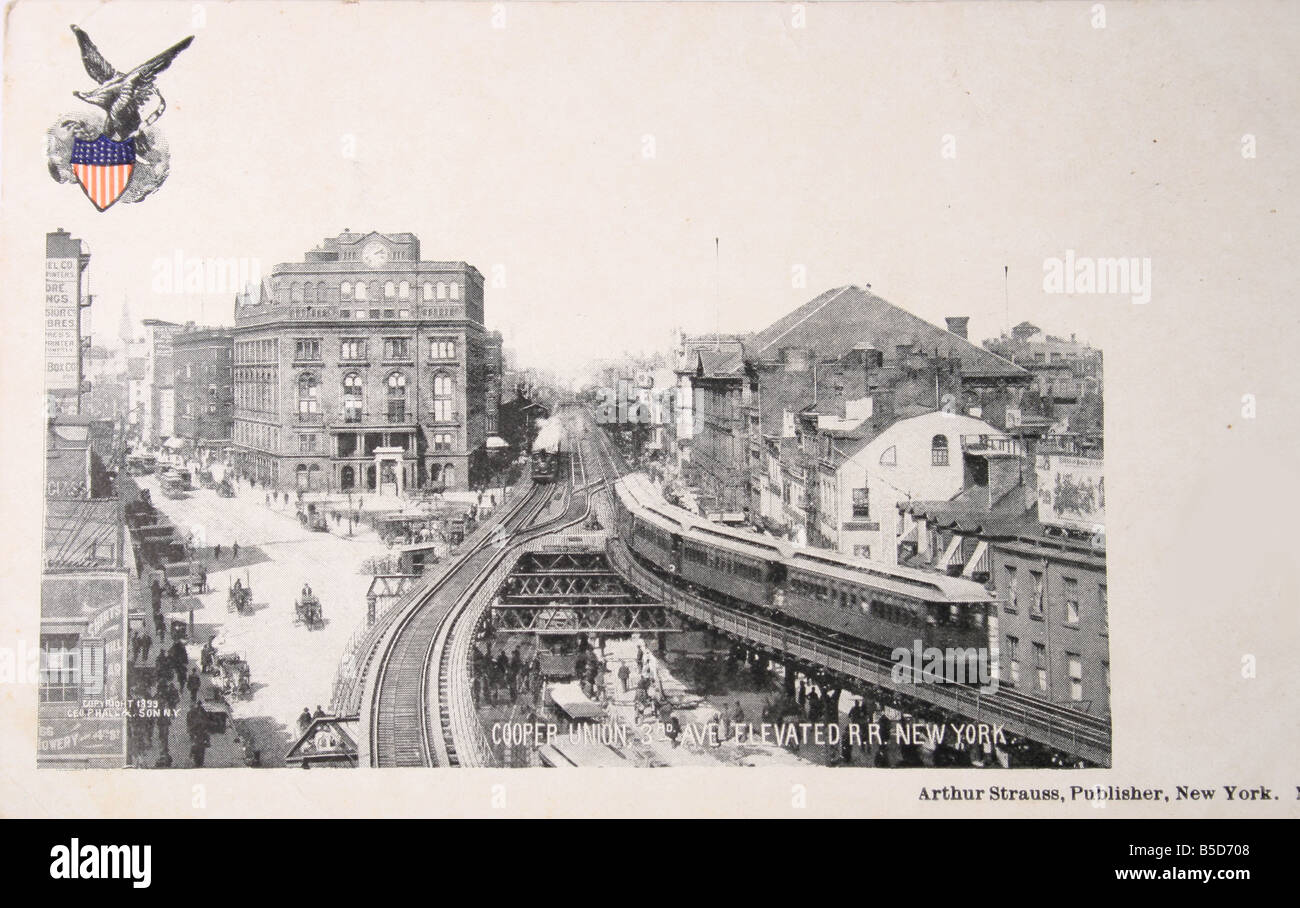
(434, 636)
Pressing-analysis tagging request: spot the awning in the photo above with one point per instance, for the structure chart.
(979, 561)
(496, 443)
(949, 554)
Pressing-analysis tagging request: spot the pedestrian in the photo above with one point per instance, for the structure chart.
(318, 713)
(640, 656)
(194, 683)
(623, 674)
(304, 721)
(234, 550)
(179, 660)
(216, 552)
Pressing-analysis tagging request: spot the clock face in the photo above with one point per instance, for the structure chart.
(374, 255)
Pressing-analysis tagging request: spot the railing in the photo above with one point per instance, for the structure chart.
(1001, 443)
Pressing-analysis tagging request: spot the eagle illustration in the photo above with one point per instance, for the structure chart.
(122, 95)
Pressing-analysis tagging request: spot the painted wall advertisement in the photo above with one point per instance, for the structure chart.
(1071, 492)
(85, 721)
(61, 324)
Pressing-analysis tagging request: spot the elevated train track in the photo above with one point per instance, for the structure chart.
(417, 703)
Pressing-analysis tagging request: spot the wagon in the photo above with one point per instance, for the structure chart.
(235, 675)
(240, 599)
(307, 611)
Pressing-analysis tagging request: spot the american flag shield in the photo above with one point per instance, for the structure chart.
(103, 168)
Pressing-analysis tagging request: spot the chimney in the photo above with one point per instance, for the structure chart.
(957, 325)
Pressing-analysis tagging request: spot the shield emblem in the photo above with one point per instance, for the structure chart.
(103, 168)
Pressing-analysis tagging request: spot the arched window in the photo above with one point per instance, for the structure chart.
(404, 290)
(449, 475)
(309, 293)
(353, 397)
(295, 292)
(390, 290)
(435, 473)
(361, 291)
(442, 290)
(321, 292)
(939, 451)
(455, 290)
(308, 395)
(428, 290)
(442, 397)
(396, 397)
(345, 290)
(301, 476)
(313, 477)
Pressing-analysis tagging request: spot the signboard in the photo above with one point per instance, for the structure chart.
(1071, 492)
(61, 340)
(92, 724)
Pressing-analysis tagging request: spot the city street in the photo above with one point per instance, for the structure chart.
(291, 666)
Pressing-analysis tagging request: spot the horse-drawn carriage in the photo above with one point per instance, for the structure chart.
(240, 598)
(225, 489)
(307, 610)
(236, 677)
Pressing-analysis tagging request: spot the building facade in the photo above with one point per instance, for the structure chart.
(1030, 524)
(158, 416)
(364, 368)
(204, 388)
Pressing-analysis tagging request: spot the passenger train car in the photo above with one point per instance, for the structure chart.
(877, 605)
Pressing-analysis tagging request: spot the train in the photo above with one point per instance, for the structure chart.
(547, 457)
(878, 607)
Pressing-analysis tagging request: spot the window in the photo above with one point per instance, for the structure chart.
(1071, 600)
(345, 290)
(353, 398)
(1040, 665)
(1076, 676)
(396, 397)
(1013, 588)
(308, 395)
(455, 290)
(1105, 611)
(442, 348)
(306, 349)
(861, 503)
(307, 444)
(404, 290)
(449, 475)
(361, 291)
(1013, 659)
(397, 348)
(939, 451)
(442, 442)
(862, 551)
(442, 411)
(442, 385)
(427, 291)
(1036, 605)
(442, 290)
(390, 290)
(60, 674)
(353, 348)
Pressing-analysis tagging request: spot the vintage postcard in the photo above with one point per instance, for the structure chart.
(720, 400)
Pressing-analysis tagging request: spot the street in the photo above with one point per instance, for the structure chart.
(291, 666)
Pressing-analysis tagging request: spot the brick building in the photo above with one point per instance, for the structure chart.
(364, 367)
(203, 386)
